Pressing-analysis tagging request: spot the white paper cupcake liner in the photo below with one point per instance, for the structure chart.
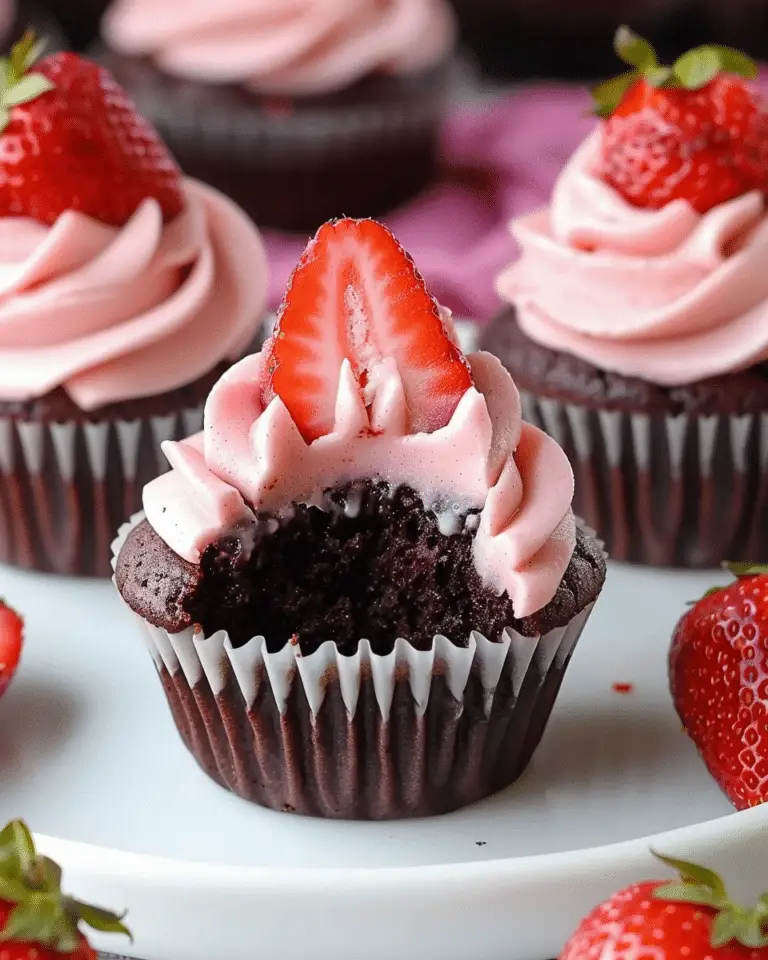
(412, 733)
(665, 490)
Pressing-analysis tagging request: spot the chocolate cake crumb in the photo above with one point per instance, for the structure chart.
(552, 373)
(153, 579)
(323, 574)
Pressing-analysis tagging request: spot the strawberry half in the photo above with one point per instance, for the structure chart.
(356, 294)
(71, 139)
(11, 643)
(694, 131)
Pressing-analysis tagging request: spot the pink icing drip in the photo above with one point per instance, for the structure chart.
(671, 296)
(486, 458)
(112, 314)
(290, 47)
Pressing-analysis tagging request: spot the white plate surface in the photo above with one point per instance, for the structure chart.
(90, 757)
(88, 753)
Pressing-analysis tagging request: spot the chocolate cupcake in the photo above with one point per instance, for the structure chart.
(298, 112)
(637, 325)
(126, 292)
(359, 589)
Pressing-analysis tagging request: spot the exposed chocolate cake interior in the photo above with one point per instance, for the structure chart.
(371, 563)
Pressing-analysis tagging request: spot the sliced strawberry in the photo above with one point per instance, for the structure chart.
(11, 642)
(357, 294)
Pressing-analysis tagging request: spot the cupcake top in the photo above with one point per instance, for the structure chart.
(118, 279)
(363, 380)
(292, 47)
(649, 261)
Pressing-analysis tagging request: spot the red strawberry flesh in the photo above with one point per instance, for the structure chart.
(356, 294)
(11, 642)
(719, 682)
(705, 146)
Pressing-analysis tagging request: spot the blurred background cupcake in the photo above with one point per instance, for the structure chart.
(299, 109)
(636, 315)
(126, 291)
(562, 38)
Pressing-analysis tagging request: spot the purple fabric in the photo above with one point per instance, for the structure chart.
(499, 160)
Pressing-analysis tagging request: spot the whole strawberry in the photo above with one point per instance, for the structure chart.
(71, 139)
(718, 669)
(11, 642)
(690, 919)
(693, 131)
(37, 920)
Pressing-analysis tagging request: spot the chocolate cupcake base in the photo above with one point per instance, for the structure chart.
(668, 476)
(322, 724)
(416, 733)
(294, 163)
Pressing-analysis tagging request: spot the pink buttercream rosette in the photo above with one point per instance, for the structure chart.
(110, 338)
(658, 300)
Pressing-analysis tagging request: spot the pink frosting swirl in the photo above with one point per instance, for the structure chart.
(283, 46)
(486, 458)
(113, 314)
(669, 295)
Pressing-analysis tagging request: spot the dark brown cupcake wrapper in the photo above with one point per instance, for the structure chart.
(413, 733)
(66, 487)
(665, 490)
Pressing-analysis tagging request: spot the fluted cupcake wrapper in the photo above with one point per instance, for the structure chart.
(665, 490)
(65, 487)
(412, 733)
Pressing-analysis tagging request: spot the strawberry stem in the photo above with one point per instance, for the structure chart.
(42, 913)
(699, 886)
(17, 84)
(691, 71)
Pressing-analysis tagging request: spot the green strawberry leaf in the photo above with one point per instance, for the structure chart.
(102, 920)
(608, 95)
(658, 76)
(16, 844)
(31, 86)
(633, 49)
(752, 932)
(689, 893)
(734, 61)
(726, 927)
(12, 889)
(691, 873)
(697, 67)
(48, 875)
(741, 568)
(41, 919)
